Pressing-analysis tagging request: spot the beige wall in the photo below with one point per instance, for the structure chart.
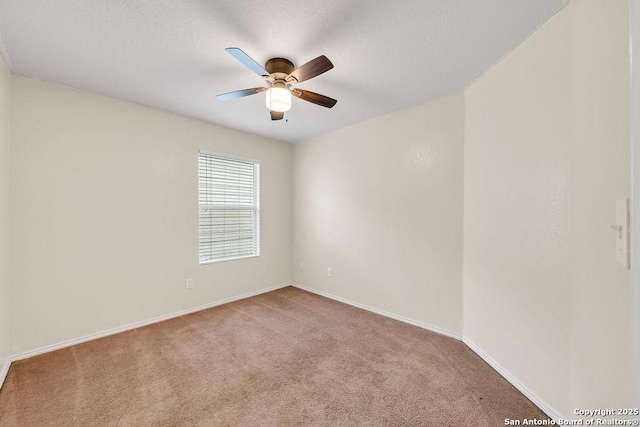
(546, 155)
(381, 204)
(517, 285)
(600, 292)
(634, 128)
(105, 214)
(5, 94)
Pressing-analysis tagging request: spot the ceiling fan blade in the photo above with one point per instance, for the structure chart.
(277, 115)
(315, 98)
(311, 69)
(240, 93)
(247, 61)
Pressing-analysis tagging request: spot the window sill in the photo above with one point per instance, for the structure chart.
(215, 261)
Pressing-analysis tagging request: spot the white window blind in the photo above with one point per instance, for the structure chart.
(229, 198)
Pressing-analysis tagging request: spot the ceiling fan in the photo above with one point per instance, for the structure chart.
(281, 76)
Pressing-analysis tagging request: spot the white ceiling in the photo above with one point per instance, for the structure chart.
(169, 54)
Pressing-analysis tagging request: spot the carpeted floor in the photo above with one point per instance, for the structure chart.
(286, 358)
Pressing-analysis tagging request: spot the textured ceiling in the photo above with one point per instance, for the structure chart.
(170, 54)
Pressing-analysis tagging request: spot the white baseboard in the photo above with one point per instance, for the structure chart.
(381, 312)
(544, 406)
(140, 324)
(4, 370)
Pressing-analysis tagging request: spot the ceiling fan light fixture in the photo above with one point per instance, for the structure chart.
(278, 99)
(280, 75)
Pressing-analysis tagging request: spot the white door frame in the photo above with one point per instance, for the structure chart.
(634, 139)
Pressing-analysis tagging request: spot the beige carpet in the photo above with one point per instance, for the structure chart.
(286, 358)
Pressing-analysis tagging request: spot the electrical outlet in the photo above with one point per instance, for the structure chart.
(329, 272)
(189, 283)
(301, 266)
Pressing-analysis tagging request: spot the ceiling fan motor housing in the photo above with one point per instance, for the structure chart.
(276, 66)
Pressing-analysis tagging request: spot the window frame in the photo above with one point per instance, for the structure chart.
(256, 204)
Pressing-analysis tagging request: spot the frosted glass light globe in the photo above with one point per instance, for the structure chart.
(278, 99)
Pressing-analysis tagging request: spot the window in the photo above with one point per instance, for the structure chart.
(229, 199)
